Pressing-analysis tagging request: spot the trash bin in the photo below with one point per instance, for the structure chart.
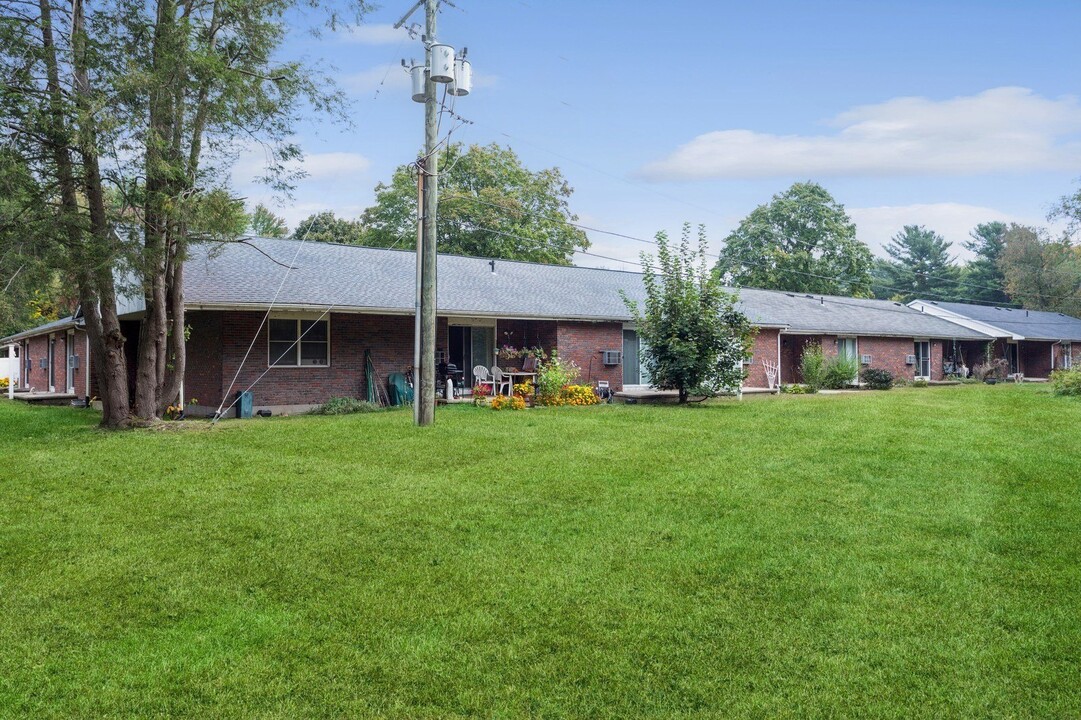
(244, 404)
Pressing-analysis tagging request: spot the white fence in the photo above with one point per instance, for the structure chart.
(9, 368)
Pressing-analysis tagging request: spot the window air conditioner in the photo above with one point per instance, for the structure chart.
(865, 359)
(910, 359)
(611, 357)
(43, 363)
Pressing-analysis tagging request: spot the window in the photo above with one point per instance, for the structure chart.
(298, 342)
(1067, 355)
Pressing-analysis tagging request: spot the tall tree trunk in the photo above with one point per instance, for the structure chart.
(161, 188)
(90, 250)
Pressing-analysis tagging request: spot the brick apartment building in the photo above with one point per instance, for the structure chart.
(296, 320)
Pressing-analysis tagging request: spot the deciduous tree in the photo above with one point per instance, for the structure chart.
(264, 223)
(490, 205)
(696, 338)
(326, 227)
(801, 241)
(150, 102)
(1041, 273)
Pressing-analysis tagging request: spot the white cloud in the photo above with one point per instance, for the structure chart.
(333, 165)
(1006, 129)
(953, 221)
(376, 34)
(337, 181)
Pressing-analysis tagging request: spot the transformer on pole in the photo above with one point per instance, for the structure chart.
(440, 66)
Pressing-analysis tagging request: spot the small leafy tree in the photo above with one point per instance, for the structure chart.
(264, 223)
(695, 335)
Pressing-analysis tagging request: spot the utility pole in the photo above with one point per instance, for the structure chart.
(442, 69)
(428, 284)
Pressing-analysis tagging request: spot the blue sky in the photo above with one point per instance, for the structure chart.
(938, 113)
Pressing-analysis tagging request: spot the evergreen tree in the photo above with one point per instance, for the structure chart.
(984, 280)
(921, 266)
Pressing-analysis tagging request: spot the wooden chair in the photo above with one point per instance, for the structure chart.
(498, 383)
(529, 364)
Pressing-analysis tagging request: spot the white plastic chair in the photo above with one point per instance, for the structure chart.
(481, 374)
(498, 383)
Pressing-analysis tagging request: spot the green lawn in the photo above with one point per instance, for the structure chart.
(915, 553)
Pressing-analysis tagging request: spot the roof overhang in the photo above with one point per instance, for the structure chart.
(958, 319)
(46, 329)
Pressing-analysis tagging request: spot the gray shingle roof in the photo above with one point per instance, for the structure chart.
(61, 324)
(1030, 324)
(380, 279)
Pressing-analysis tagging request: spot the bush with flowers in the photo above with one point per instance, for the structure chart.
(4, 383)
(508, 402)
(579, 395)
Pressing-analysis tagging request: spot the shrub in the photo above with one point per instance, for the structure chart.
(839, 372)
(4, 383)
(345, 406)
(813, 366)
(552, 377)
(508, 402)
(997, 369)
(920, 383)
(1066, 382)
(579, 395)
(523, 389)
(798, 390)
(877, 378)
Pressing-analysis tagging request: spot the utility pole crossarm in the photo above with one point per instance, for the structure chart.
(405, 17)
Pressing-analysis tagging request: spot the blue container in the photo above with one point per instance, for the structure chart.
(244, 404)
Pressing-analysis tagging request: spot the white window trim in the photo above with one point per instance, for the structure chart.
(296, 347)
(1067, 355)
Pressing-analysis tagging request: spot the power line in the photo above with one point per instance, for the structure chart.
(932, 294)
(956, 281)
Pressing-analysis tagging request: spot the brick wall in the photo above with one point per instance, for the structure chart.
(889, 354)
(1034, 358)
(37, 348)
(583, 342)
(219, 341)
(763, 349)
(202, 376)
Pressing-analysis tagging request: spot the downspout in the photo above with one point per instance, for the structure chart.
(86, 368)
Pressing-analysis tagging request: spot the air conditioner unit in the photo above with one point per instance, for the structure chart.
(865, 359)
(73, 362)
(910, 359)
(749, 360)
(43, 363)
(611, 357)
